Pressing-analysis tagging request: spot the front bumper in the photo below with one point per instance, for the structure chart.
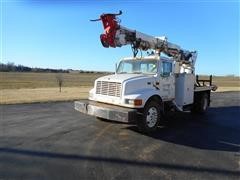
(107, 111)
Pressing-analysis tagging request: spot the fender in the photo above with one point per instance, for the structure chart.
(144, 94)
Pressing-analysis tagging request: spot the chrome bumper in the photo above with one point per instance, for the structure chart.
(106, 111)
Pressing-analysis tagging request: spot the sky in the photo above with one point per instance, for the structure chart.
(58, 33)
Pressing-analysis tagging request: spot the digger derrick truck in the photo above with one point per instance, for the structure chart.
(144, 88)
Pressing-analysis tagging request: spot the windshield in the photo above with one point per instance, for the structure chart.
(137, 67)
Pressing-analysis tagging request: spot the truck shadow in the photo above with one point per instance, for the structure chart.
(19, 159)
(218, 129)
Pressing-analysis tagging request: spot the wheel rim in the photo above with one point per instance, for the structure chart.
(152, 116)
(205, 103)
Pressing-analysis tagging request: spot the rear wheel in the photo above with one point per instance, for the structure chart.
(204, 103)
(151, 117)
(201, 103)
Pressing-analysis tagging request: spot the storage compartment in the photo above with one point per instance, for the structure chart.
(184, 89)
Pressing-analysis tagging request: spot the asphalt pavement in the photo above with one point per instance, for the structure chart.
(53, 141)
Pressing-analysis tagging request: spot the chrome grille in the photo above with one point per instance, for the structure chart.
(108, 88)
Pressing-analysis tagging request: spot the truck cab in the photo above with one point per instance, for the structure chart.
(135, 81)
(138, 79)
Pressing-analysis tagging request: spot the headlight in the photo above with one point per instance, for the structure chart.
(90, 95)
(135, 102)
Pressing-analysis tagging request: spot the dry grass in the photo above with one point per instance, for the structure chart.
(16, 80)
(224, 81)
(224, 89)
(13, 96)
(42, 87)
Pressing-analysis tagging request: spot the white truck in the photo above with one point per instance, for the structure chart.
(144, 88)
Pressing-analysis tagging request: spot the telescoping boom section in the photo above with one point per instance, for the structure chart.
(116, 35)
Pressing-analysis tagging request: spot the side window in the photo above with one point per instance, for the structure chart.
(166, 68)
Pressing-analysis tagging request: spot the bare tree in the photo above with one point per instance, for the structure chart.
(59, 78)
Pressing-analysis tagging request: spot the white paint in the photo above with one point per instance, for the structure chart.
(184, 89)
(177, 85)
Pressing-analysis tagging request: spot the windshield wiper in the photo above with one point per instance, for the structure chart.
(137, 72)
(122, 73)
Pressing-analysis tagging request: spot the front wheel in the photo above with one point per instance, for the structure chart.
(151, 117)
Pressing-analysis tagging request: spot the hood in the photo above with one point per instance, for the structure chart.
(121, 77)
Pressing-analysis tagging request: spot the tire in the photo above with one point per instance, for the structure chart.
(151, 117)
(204, 103)
(201, 104)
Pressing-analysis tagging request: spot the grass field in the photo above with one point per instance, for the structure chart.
(13, 96)
(43, 87)
(16, 80)
(226, 82)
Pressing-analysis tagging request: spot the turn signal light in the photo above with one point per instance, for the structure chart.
(137, 102)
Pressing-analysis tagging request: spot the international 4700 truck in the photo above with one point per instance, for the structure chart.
(144, 88)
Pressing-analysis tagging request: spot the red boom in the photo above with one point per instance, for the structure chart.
(110, 25)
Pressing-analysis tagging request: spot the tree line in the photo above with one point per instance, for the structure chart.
(11, 67)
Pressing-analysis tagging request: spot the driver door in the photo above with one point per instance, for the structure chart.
(167, 80)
